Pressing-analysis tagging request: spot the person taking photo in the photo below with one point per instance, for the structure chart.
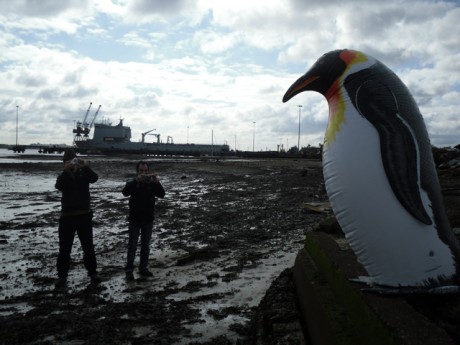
(76, 216)
(142, 191)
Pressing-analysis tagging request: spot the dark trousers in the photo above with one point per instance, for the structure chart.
(83, 226)
(145, 231)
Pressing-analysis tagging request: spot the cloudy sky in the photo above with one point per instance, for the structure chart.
(197, 70)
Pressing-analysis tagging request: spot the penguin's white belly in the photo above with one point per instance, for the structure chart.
(394, 247)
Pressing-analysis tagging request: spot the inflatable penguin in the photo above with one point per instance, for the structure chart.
(380, 175)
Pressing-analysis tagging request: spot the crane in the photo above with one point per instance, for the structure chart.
(158, 137)
(86, 116)
(79, 130)
(89, 126)
(145, 133)
(94, 118)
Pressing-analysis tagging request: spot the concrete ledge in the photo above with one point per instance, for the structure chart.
(335, 311)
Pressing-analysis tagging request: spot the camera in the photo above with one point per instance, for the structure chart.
(74, 165)
(146, 178)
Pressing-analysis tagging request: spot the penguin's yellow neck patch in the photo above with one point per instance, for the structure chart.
(335, 97)
(336, 112)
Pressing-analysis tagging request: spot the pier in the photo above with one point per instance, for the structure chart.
(39, 148)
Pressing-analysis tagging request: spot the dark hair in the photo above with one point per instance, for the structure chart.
(142, 163)
(69, 154)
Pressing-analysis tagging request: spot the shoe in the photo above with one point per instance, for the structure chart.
(129, 276)
(60, 283)
(146, 273)
(95, 278)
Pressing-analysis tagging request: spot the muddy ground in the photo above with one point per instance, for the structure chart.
(224, 232)
(226, 235)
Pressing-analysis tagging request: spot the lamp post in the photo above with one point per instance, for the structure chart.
(17, 112)
(298, 138)
(253, 135)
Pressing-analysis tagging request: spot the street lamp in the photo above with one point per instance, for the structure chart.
(17, 111)
(298, 138)
(253, 135)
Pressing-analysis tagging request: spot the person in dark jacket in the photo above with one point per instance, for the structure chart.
(142, 191)
(76, 216)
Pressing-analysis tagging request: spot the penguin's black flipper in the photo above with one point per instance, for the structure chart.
(376, 102)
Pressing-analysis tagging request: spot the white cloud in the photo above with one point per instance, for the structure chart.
(212, 42)
(44, 8)
(213, 65)
(170, 7)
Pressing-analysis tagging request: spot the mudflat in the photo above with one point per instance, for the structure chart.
(224, 232)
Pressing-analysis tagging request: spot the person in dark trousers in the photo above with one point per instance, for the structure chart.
(142, 191)
(76, 216)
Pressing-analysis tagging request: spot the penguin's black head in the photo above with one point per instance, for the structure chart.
(320, 76)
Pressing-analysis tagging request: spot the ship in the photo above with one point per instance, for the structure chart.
(116, 139)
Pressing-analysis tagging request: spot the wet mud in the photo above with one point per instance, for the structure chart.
(224, 232)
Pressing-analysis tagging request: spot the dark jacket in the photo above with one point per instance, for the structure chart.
(75, 190)
(142, 200)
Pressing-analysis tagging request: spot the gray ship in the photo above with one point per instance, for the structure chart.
(108, 139)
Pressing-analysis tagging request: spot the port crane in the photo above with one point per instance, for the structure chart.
(80, 124)
(83, 127)
(84, 123)
(158, 137)
(94, 118)
(145, 133)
